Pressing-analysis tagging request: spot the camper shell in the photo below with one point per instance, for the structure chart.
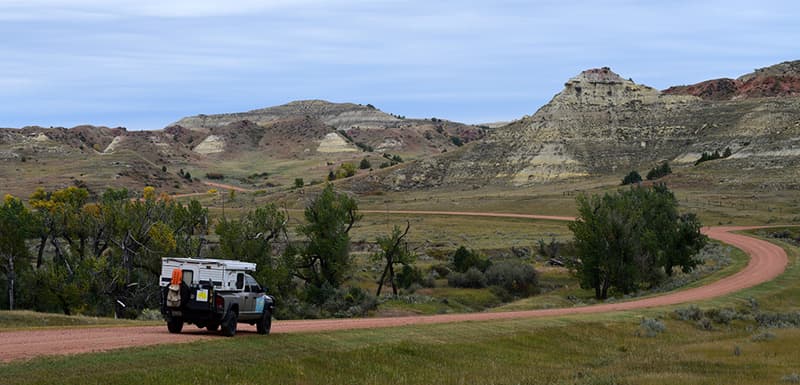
(219, 274)
(213, 293)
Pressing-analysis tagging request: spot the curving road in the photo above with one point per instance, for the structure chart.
(767, 261)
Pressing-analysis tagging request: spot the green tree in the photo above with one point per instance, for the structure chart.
(632, 238)
(16, 224)
(661, 171)
(251, 239)
(365, 164)
(325, 257)
(393, 250)
(299, 183)
(464, 259)
(633, 177)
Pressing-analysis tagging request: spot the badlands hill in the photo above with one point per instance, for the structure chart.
(602, 123)
(299, 139)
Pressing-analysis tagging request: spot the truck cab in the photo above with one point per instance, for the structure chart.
(213, 294)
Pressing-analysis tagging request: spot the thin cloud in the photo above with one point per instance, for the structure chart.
(96, 9)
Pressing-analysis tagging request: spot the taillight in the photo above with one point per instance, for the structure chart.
(219, 302)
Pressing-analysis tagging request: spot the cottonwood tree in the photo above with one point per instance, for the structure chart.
(394, 250)
(324, 258)
(632, 238)
(15, 228)
(251, 239)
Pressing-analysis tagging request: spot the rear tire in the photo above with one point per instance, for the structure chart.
(175, 324)
(265, 323)
(229, 324)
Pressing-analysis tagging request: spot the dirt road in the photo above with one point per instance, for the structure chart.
(767, 261)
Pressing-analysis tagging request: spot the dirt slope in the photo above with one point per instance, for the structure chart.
(767, 261)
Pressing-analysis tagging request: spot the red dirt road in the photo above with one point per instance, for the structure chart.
(767, 261)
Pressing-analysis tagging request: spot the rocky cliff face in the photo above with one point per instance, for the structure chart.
(601, 123)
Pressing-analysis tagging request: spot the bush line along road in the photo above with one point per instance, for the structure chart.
(767, 261)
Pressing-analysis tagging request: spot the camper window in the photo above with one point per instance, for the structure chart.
(188, 276)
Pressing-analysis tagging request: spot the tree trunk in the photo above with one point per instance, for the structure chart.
(40, 255)
(391, 278)
(382, 280)
(11, 281)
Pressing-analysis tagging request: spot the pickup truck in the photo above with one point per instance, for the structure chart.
(213, 294)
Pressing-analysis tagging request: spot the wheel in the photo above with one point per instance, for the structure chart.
(229, 324)
(265, 323)
(174, 324)
(212, 327)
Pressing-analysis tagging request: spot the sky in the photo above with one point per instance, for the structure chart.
(144, 64)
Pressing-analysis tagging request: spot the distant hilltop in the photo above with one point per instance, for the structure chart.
(780, 80)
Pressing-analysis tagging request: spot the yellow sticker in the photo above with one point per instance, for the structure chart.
(202, 295)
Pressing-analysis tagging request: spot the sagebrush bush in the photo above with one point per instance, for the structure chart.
(763, 336)
(793, 378)
(441, 270)
(150, 315)
(778, 320)
(516, 277)
(651, 327)
(690, 313)
(473, 278)
(705, 324)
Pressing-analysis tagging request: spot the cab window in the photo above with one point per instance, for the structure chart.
(251, 284)
(240, 281)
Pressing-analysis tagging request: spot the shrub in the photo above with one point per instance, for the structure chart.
(651, 327)
(691, 313)
(705, 324)
(345, 170)
(457, 141)
(464, 260)
(339, 303)
(441, 270)
(214, 175)
(723, 316)
(793, 378)
(365, 164)
(408, 276)
(778, 320)
(514, 276)
(763, 336)
(631, 178)
(472, 278)
(298, 182)
(659, 172)
(364, 147)
(150, 315)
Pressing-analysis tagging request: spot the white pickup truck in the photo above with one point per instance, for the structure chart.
(213, 293)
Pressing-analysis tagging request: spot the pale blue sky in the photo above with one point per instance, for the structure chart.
(143, 64)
